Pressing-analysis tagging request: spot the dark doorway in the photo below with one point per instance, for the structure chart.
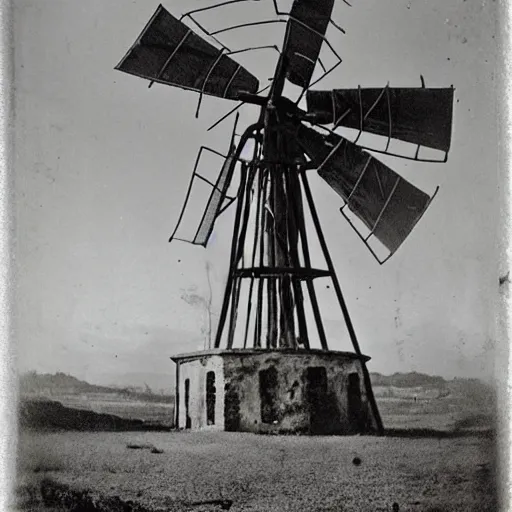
(188, 421)
(231, 408)
(210, 398)
(317, 399)
(269, 396)
(355, 403)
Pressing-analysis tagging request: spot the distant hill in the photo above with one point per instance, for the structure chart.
(408, 380)
(472, 393)
(405, 400)
(33, 383)
(59, 383)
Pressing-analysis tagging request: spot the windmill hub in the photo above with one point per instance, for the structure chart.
(270, 367)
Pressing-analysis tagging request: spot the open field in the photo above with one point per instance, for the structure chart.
(438, 456)
(266, 473)
(404, 409)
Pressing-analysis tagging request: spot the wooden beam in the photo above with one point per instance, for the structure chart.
(341, 300)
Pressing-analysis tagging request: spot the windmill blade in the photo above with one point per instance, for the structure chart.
(305, 34)
(215, 201)
(388, 205)
(416, 115)
(169, 52)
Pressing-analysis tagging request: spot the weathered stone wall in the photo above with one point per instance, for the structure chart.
(292, 407)
(243, 400)
(196, 370)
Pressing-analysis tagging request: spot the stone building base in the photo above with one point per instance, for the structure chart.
(272, 391)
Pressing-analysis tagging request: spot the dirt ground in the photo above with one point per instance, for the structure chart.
(265, 473)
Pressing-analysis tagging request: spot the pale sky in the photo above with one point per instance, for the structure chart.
(103, 162)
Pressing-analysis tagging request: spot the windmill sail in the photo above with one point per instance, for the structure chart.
(416, 115)
(215, 201)
(306, 27)
(169, 52)
(388, 205)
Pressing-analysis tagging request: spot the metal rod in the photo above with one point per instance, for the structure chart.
(361, 119)
(224, 94)
(235, 296)
(229, 284)
(271, 282)
(244, 25)
(254, 247)
(322, 36)
(262, 221)
(206, 180)
(224, 208)
(247, 211)
(287, 306)
(362, 238)
(383, 151)
(341, 300)
(173, 53)
(239, 253)
(359, 179)
(236, 156)
(309, 283)
(220, 43)
(390, 119)
(221, 4)
(318, 80)
(330, 266)
(189, 190)
(384, 207)
(291, 194)
(233, 110)
(203, 87)
(342, 30)
(252, 48)
(375, 103)
(187, 195)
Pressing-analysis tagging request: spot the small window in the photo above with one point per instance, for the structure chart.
(210, 398)
(269, 396)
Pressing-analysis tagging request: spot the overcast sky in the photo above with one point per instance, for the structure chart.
(103, 162)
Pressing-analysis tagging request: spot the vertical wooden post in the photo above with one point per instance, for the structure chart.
(254, 251)
(271, 283)
(261, 281)
(307, 262)
(293, 230)
(233, 262)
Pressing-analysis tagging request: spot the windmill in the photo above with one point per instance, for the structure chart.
(271, 279)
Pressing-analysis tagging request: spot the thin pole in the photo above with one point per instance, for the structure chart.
(233, 262)
(330, 266)
(293, 238)
(271, 282)
(341, 300)
(307, 262)
(261, 282)
(286, 321)
(239, 254)
(254, 251)
(235, 295)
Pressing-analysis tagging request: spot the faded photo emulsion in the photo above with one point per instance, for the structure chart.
(257, 249)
